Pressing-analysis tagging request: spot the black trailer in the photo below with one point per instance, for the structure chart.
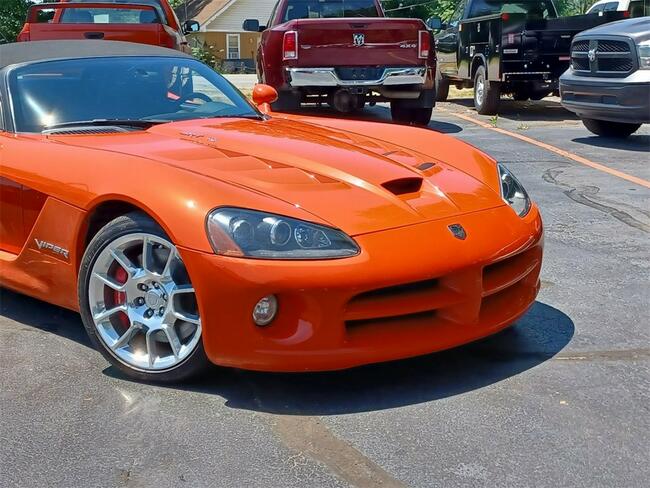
(517, 47)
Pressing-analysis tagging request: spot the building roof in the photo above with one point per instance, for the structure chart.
(201, 10)
(34, 51)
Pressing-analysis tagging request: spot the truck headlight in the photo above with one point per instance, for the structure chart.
(253, 234)
(644, 54)
(513, 192)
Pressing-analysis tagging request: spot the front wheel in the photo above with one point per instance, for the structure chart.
(138, 304)
(610, 129)
(487, 93)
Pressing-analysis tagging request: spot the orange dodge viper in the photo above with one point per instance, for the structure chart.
(188, 226)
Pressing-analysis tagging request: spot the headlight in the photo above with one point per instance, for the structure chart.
(644, 54)
(513, 192)
(253, 234)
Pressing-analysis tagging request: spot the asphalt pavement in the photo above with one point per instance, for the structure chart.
(559, 400)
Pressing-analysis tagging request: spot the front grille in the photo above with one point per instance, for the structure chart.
(615, 65)
(582, 46)
(603, 57)
(580, 64)
(608, 46)
(463, 298)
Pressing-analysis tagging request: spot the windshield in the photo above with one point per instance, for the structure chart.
(122, 88)
(325, 9)
(154, 3)
(108, 16)
(535, 9)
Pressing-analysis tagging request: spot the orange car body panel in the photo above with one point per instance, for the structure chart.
(414, 288)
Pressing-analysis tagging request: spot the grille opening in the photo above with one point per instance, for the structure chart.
(615, 64)
(509, 272)
(512, 298)
(581, 46)
(607, 46)
(87, 130)
(397, 291)
(397, 321)
(580, 64)
(403, 186)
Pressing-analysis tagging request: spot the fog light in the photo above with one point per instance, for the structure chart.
(265, 310)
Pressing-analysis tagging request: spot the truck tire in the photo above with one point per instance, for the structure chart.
(287, 101)
(486, 93)
(442, 87)
(610, 129)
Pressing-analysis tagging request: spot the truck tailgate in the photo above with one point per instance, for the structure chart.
(358, 42)
(112, 22)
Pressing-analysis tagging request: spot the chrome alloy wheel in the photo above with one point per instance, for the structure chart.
(479, 91)
(142, 303)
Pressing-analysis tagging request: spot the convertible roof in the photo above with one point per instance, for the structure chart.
(26, 52)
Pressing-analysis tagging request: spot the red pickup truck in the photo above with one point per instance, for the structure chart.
(347, 53)
(143, 21)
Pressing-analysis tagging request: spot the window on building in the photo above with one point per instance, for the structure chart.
(233, 46)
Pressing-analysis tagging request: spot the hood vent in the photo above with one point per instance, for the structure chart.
(88, 130)
(403, 186)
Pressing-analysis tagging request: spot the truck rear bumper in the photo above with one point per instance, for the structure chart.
(328, 77)
(621, 100)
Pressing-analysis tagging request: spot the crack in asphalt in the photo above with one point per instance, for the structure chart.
(586, 195)
(308, 436)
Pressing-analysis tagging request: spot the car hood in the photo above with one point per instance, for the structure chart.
(353, 182)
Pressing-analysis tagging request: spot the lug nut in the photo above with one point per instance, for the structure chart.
(161, 311)
(156, 286)
(148, 314)
(139, 301)
(142, 287)
(164, 296)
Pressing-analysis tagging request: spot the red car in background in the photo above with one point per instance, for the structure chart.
(142, 21)
(347, 53)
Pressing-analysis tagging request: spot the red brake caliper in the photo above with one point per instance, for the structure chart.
(119, 297)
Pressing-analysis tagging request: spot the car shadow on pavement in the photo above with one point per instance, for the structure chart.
(538, 336)
(545, 110)
(541, 334)
(636, 142)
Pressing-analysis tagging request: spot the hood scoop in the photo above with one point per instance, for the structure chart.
(403, 186)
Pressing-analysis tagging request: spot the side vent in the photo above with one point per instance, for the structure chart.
(403, 186)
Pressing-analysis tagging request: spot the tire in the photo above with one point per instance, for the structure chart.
(442, 87)
(287, 101)
(487, 93)
(407, 115)
(610, 129)
(115, 304)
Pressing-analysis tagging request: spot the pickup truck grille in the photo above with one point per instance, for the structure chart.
(603, 57)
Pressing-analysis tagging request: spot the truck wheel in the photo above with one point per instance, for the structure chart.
(610, 129)
(442, 87)
(287, 101)
(405, 115)
(486, 93)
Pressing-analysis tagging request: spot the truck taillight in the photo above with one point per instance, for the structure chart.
(24, 34)
(424, 45)
(290, 45)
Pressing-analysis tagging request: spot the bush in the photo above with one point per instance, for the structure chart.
(12, 18)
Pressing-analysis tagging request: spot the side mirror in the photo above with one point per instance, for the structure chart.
(435, 23)
(264, 96)
(253, 25)
(190, 26)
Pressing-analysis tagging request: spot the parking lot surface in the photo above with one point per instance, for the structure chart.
(561, 399)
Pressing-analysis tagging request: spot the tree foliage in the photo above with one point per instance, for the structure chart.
(421, 9)
(12, 18)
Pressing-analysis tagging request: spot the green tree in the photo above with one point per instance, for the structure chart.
(12, 18)
(420, 9)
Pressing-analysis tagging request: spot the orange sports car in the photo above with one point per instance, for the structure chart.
(189, 226)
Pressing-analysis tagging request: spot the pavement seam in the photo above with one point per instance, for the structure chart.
(553, 149)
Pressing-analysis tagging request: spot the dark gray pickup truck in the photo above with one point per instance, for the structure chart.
(608, 83)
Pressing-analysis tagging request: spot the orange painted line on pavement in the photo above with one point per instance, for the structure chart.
(556, 150)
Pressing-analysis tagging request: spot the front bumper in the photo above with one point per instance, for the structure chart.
(618, 100)
(328, 77)
(412, 291)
